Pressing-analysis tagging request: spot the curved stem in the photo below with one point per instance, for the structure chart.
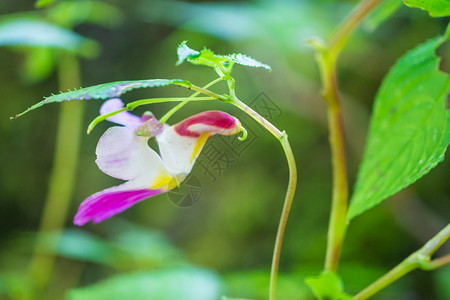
(283, 138)
(419, 259)
(63, 173)
(166, 117)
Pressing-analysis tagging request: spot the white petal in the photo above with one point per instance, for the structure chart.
(179, 152)
(124, 155)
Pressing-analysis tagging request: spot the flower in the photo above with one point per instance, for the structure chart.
(123, 152)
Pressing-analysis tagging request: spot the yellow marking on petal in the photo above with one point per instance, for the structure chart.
(164, 181)
(199, 144)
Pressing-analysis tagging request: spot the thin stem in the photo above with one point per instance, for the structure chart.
(338, 223)
(62, 176)
(166, 117)
(133, 105)
(283, 138)
(327, 56)
(223, 98)
(419, 259)
(439, 262)
(338, 217)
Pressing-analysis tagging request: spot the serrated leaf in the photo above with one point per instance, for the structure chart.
(36, 33)
(207, 57)
(185, 52)
(248, 61)
(436, 8)
(409, 130)
(186, 283)
(105, 91)
(327, 286)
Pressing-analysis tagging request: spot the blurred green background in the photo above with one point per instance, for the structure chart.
(226, 239)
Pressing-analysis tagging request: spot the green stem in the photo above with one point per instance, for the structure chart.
(282, 137)
(62, 176)
(133, 105)
(340, 37)
(419, 259)
(166, 117)
(327, 56)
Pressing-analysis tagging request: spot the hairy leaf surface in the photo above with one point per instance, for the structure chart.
(409, 130)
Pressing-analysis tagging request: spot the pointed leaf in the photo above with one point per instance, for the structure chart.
(186, 283)
(409, 130)
(185, 52)
(105, 91)
(36, 33)
(436, 8)
(248, 61)
(207, 57)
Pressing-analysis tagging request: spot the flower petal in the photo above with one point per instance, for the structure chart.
(109, 202)
(181, 144)
(123, 118)
(213, 121)
(124, 155)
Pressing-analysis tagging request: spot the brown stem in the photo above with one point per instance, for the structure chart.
(327, 56)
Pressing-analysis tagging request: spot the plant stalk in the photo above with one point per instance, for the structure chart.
(327, 56)
(166, 117)
(419, 259)
(283, 138)
(62, 177)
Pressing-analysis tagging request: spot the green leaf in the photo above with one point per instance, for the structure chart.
(184, 52)
(327, 286)
(384, 11)
(104, 91)
(36, 33)
(186, 283)
(207, 58)
(80, 245)
(248, 61)
(436, 8)
(409, 130)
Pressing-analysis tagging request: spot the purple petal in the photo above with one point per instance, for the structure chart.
(124, 118)
(107, 203)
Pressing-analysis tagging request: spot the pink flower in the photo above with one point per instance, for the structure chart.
(123, 153)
